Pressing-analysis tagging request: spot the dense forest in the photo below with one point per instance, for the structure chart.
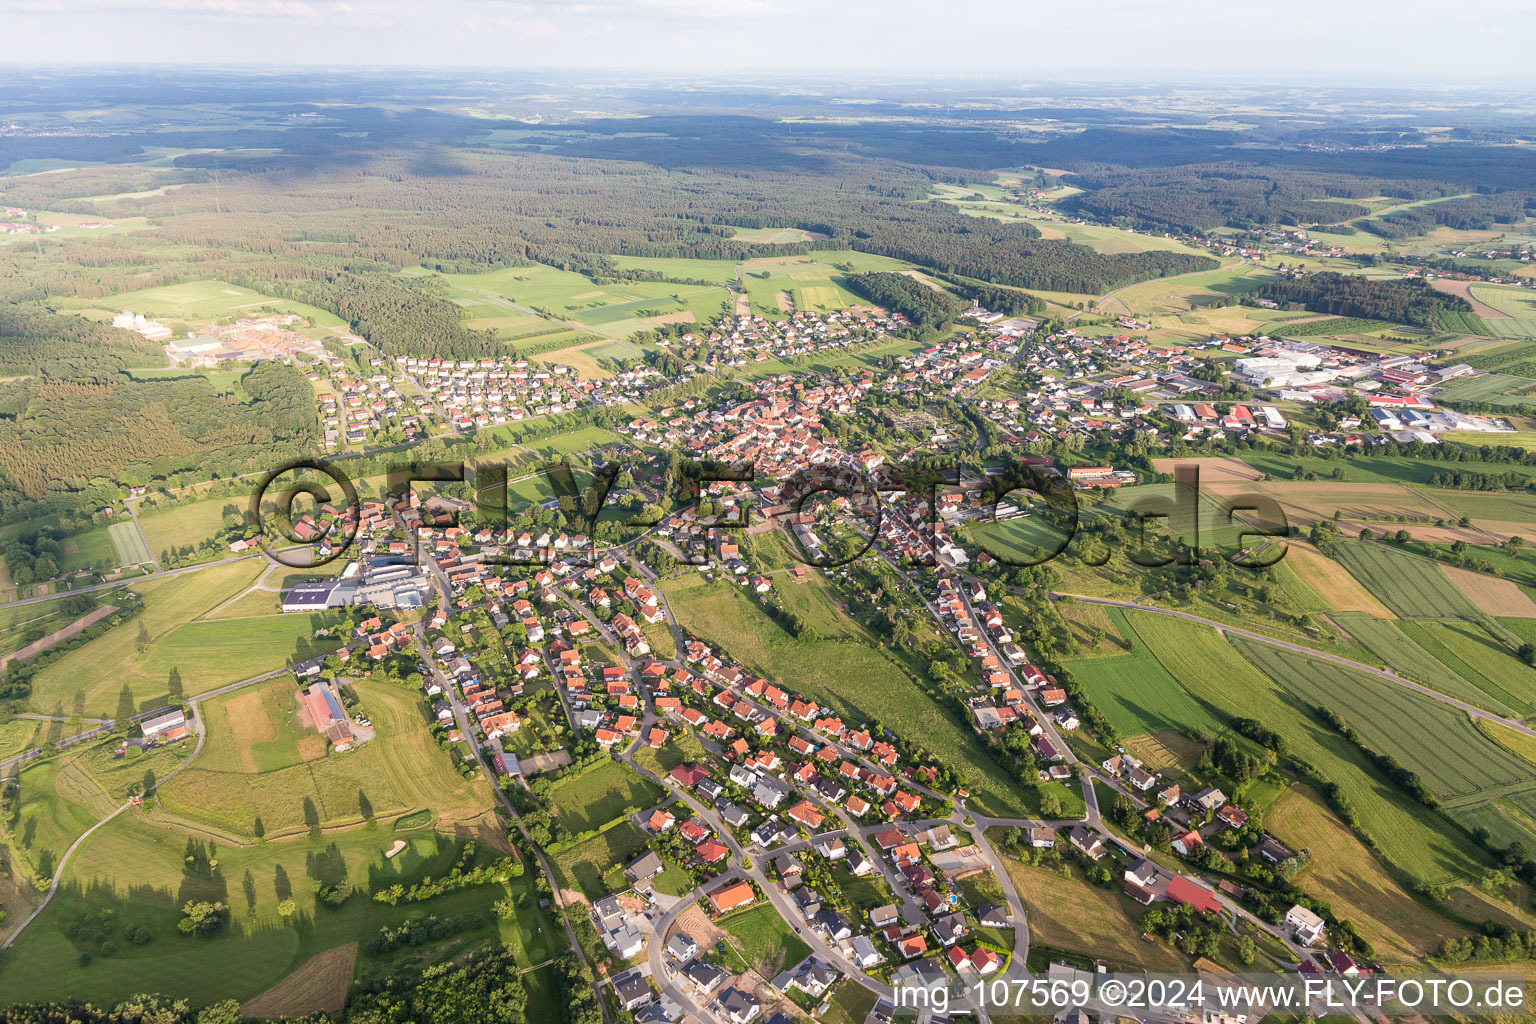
(1197, 199)
(1471, 213)
(486, 989)
(37, 342)
(65, 438)
(1402, 302)
(926, 306)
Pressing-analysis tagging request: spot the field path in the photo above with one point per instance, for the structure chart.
(1387, 674)
(41, 644)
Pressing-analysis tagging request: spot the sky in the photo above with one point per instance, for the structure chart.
(1405, 41)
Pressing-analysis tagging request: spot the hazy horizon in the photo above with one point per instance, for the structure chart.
(1417, 43)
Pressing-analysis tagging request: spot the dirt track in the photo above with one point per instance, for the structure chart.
(41, 644)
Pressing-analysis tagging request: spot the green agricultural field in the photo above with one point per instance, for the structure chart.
(162, 652)
(721, 272)
(127, 543)
(263, 773)
(1413, 587)
(610, 309)
(1494, 388)
(1468, 651)
(856, 677)
(1021, 541)
(142, 874)
(1348, 875)
(52, 814)
(1391, 644)
(187, 524)
(1432, 739)
(1409, 835)
(593, 799)
(1136, 693)
(198, 302)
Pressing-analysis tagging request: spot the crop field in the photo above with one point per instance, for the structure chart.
(1180, 293)
(1398, 651)
(1411, 837)
(142, 874)
(52, 814)
(127, 543)
(1434, 740)
(1494, 388)
(1495, 596)
(198, 302)
(855, 676)
(1070, 914)
(319, 985)
(1090, 622)
(611, 308)
(1517, 304)
(592, 800)
(580, 869)
(1413, 587)
(263, 774)
(1136, 693)
(1015, 540)
(811, 283)
(1500, 506)
(1344, 872)
(719, 272)
(1468, 651)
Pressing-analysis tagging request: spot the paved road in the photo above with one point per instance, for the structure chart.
(1248, 634)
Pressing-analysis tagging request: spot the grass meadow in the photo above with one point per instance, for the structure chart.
(263, 774)
(593, 799)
